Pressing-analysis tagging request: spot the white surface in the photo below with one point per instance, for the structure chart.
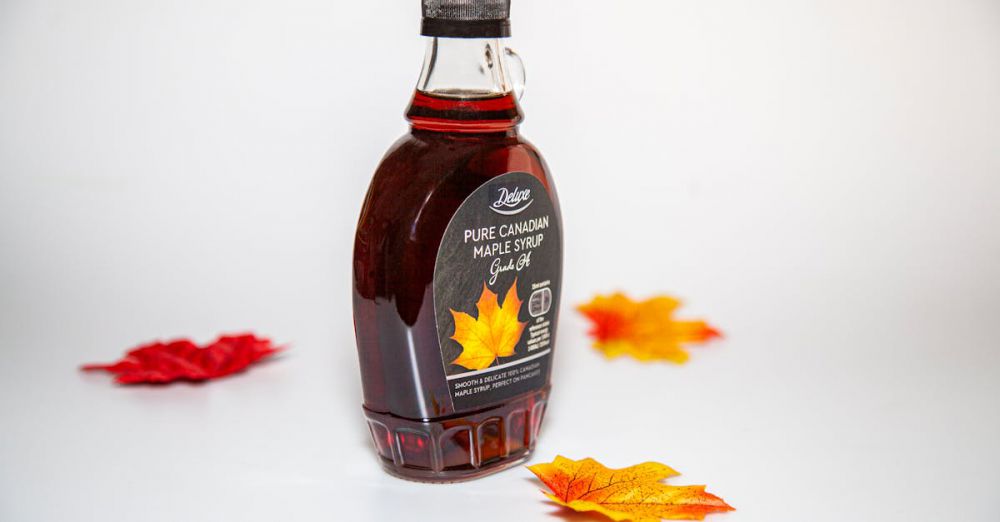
(819, 179)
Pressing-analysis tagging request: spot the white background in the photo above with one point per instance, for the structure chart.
(819, 179)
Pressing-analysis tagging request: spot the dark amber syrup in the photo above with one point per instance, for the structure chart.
(455, 145)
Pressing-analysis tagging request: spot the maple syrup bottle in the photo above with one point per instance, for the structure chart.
(458, 264)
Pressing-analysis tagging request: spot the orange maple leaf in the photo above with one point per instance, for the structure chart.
(493, 334)
(632, 493)
(645, 330)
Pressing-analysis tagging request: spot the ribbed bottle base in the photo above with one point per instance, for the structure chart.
(459, 448)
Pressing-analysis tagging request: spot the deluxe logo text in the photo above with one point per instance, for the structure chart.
(510, 201)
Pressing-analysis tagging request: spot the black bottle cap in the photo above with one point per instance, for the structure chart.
(466, 18)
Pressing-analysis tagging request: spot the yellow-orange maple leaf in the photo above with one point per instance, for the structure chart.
(493, 334)
(633, 493)
(645, 330)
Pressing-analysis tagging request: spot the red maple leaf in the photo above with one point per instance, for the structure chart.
(160, 362)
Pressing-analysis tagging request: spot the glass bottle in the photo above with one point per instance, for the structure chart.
(457, 264)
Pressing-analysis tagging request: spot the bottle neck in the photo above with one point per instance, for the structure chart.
(465, 86)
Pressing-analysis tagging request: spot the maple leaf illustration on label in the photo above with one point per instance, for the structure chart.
(633, 493)
(494, 333)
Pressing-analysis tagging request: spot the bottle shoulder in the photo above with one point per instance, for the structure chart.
(423, 168)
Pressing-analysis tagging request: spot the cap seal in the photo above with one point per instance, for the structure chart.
(466, 18)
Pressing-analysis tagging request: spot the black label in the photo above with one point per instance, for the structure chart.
(496, 291)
